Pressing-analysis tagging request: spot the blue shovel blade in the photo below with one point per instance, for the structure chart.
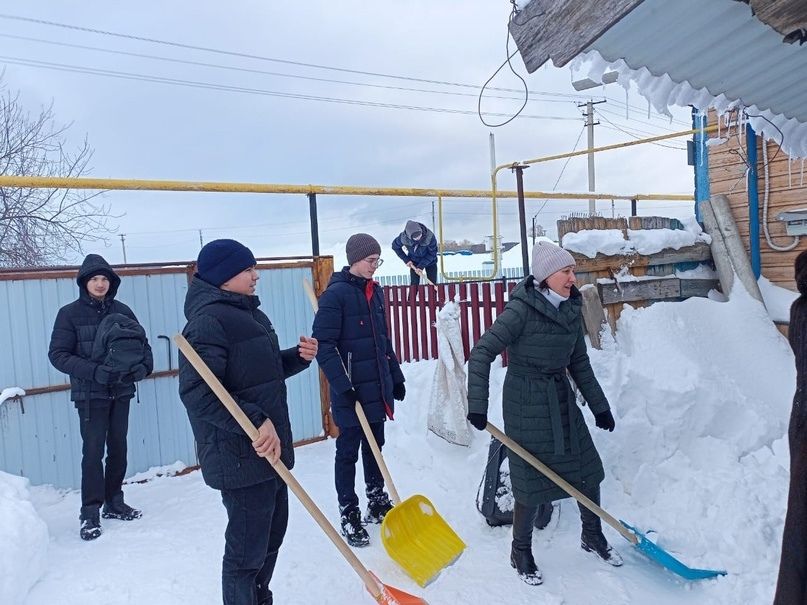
(665, 559)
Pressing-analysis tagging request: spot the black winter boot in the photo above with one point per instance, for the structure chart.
(592, 539)
(352, 528)
(524, 564)
(378, 505)
(121, 511)
(263, 595)
(90, 527)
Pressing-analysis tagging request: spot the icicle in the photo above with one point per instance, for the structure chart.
(627, 105)
(648, 108)
(789, 175)
(719, 120)
(747, 174)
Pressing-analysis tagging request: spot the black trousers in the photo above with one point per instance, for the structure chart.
(105, 429)
(257, 519)
(347, 455)
(524, 517)
(431, 273)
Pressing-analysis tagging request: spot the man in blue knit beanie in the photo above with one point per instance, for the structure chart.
(239, 345)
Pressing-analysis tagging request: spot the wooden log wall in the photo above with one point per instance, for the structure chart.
(788, 191)
(614, 293)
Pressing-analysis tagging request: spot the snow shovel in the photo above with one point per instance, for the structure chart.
(382, 593)
(631, 534)
(413, 533)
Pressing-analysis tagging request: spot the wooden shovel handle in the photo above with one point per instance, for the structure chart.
(396, 499)
(561, 483)
(207, 375)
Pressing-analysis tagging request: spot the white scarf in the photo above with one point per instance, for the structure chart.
(553, 297)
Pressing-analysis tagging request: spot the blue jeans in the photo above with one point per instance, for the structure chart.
(257, 519)
(347, 455)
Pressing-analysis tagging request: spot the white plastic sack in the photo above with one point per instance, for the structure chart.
(448, 404)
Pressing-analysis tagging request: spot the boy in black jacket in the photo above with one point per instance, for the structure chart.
(357, 358)
(100, 393)
(239, 345)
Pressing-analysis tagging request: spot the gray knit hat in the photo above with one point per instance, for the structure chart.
(360, 246)
(412, 228)
(547, 258)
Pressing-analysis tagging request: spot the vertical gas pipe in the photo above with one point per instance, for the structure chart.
(753, 199)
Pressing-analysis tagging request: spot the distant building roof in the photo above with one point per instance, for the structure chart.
(707, 53)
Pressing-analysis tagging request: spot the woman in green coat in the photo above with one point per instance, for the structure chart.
(542, 329)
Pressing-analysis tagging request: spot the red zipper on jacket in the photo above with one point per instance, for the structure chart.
(368, 294)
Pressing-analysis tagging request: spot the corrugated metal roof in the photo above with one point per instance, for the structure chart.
(709, 54)
(715, 45)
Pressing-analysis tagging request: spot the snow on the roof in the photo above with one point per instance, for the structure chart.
(737, 62)
(611, 242)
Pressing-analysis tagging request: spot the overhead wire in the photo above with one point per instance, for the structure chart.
(254, 91)
(261, 71)
(271, 59)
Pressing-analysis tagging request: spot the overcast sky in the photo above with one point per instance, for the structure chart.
(186, 130)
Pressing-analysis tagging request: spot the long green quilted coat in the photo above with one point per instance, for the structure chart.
(539, 407)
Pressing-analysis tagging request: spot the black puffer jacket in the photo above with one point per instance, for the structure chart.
(355, 350)
(791, 587)
(238, 343)
(74, 334)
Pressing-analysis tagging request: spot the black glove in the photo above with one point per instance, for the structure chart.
(479, 421)
(138, 373)
(106, 375)
(605, 420)
(398, 391)
(351, 395)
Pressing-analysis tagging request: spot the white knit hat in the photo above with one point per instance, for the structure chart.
(547, 258)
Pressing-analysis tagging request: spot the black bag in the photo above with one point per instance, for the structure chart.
(497, 501)
(120, 343)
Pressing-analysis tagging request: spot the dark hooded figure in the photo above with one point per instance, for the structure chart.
(791, 588)
(101, 393)
(416, 246)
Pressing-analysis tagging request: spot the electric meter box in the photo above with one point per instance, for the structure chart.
(795, 221)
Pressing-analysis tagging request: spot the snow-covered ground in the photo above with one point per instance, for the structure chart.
(701, 393)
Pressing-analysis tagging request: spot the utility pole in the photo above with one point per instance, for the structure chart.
(314, 221)
(123, 245)
(434, 223)
(592, 209)
(534, 216)
(522, 218)
(201, 241)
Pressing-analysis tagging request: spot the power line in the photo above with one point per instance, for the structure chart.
(262, 72)
(272, 59)
(255, 91)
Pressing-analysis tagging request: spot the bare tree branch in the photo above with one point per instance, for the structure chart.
(43, 226)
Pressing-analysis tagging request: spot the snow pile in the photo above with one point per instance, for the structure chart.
(777, 299)
(10, 392)
(23, 540)
(701, 393)
(610, 242)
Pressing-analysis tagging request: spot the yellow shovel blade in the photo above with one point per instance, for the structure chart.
(418, 539)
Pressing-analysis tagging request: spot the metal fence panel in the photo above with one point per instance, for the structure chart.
(39, 436)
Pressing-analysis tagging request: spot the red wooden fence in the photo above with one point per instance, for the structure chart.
(412, 314)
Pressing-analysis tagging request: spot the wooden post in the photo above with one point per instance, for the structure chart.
(593, 314)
